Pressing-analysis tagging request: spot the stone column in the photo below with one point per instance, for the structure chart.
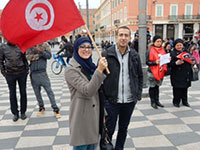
(180, 30)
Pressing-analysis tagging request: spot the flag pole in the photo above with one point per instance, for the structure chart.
(93, 42)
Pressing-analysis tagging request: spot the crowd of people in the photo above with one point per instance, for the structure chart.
(99, 98)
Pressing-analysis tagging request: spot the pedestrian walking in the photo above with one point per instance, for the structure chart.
(195, 53)
(155, 72)
(38, 56)
(181, 75)
(84, 80)
(123, 86)
(14, 67)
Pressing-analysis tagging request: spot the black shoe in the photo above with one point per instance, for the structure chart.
(41, 110)
(186, 104)
(159, 104)
(23, 116)
(57, 114)
(176, 105)
(15, 118)
(154, 105)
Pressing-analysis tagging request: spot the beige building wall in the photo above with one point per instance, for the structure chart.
(169, 19)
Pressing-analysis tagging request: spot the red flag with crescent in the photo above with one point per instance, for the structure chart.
(27, 23)
(186, 57)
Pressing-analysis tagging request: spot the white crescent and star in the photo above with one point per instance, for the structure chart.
(39, 15)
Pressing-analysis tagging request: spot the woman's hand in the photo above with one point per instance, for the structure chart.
(37, 49)
(179, 62)
(157, 61)
(102, 64)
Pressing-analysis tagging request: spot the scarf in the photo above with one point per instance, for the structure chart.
(157, 70)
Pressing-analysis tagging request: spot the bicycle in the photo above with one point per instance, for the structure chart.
(57, 65)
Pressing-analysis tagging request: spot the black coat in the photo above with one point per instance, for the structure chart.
(181, 75)
(110, 85)
(12, 60)
(68, 50)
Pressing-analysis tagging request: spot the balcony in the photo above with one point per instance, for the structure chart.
(189, 17)
(148, 17)
(184, 17)
(173, 18)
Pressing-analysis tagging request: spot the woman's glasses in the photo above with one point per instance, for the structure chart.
(86, 47)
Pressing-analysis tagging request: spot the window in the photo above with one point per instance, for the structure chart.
(125, 13)
(159, 10)
(199, 9)
(116, 3)
(174, 10)
(188, 11)
(159, 30)
(121, 17)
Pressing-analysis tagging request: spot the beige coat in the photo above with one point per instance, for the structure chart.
(84, 109)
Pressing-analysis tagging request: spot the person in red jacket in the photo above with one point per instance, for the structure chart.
(155, 73)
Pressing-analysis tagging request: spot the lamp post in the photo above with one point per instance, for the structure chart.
(143, 37)
(87, 10)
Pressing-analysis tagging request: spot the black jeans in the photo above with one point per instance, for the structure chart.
(124, 112)
(154, 94)
(180, 94)
(11, 81)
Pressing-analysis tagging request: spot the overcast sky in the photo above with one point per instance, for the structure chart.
(92, 3)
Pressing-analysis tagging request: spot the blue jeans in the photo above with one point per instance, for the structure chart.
(85, 147)
(11, 81)
(123, 112)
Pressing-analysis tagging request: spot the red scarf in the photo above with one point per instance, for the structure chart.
(157, 70)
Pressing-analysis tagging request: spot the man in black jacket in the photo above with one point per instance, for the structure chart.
(68, 51)
(14, 67)
(123, 86)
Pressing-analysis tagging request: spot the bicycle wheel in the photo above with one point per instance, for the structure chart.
(56, 67)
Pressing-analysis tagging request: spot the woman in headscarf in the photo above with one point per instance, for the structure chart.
(84, 80)
(167, 49)
(155, 73)
(181, 75)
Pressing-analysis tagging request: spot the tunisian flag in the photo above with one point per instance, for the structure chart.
(186, 57)
(27, 23)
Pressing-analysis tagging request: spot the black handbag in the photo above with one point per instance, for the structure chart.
(195, 76)
(105, 142)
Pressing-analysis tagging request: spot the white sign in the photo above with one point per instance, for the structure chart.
(164, 59)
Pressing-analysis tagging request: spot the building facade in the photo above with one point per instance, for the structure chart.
(175, 18)
(169, 19)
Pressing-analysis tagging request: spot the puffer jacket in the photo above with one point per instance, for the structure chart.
(12, 60)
